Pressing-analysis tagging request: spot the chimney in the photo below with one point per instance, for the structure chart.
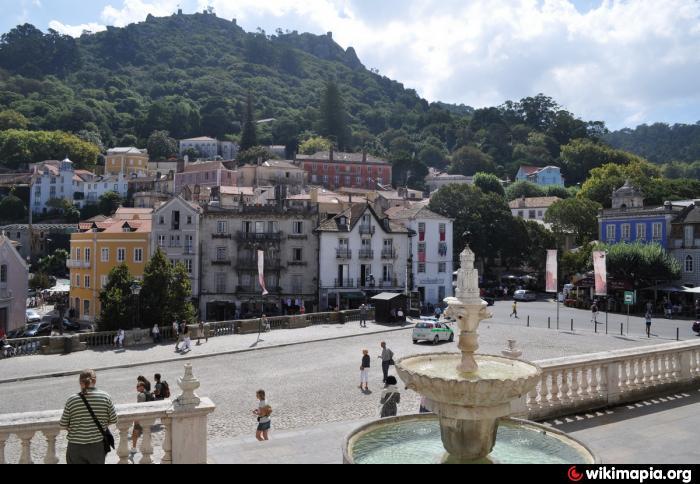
(330, 155)
(314, 195)
(179, 11)
(668, 206)
(364, 156)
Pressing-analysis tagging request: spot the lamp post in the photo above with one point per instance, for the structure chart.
(135, 291)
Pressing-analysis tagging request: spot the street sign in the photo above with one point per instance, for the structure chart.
(629, 298)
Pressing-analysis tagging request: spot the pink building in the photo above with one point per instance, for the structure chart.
(207, 174)
(333, 170)
(14, 282)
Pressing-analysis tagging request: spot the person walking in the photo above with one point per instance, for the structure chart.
(387, 357)
(265, 324)
(515, 310)
(364, 370)
(648, 323)
(187, 342)
(179, 334)
(697, 309)
(390, 399)
(162, 389)
(86, 435)
(119, 339)
(594, 313)
(176, 331)
(203, 332)
(155, 333)
(363, 316)
(263, 413)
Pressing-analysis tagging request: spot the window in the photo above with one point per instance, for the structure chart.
(421, 227)
(441, 293)
(626, 231)
(298, 228)
(657, 230)
(189, 220)
(121, 255)
(641, 232)
(103, 282)
(175, 218)
(521, 214)
(77, 280)
(421, 268)
(104, 255)
(336, 180)
(443, 232)
(87, 282)
(532, 214)
(297, 284)
(540, 214)
(221, 282)
(387, 272)
(221, 253)
(87, 255)
(442, 267)
(221, 227)
(188, 265)
(689, 264)
(138, 255)
(161, 220)
(161, 241)
(86, 308)
(3, 273)
(610, 232)
(78, 252)
(174, 241)
(298, 254)
(421, 248)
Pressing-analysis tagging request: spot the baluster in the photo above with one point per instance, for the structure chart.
(655, 376)
(123, 447)
(634, 373)
(629, 372)
(574, 384)
(146, 447)
(167, 440)
(646, 367)
(544, 391)
(532, 399)
(3, 439)
(585, 384)
(594, 382)
(565, 386)
(51, 457)
(26, 456)
(555, 388)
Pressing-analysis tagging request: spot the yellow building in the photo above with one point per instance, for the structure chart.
(100, 246)
(129, 161)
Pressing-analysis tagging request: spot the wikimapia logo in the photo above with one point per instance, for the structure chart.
(574, 475)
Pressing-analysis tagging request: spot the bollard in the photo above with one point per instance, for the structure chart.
(606, 325)
(549, 323)
(678, 334)
(528, 321)
(622, 329)
(572, 325)
(596, 327)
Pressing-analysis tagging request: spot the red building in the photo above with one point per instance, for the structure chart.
(334, 170)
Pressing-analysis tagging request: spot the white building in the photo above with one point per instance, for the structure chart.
(432, 251)
(14, 282)
(360, 255)
(93, 187)
(436, 179)
(210, 148)
(175, 231)
(534, 208)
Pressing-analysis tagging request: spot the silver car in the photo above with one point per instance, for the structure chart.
(525, 295)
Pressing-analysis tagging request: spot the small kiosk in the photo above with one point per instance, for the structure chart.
(387, 306)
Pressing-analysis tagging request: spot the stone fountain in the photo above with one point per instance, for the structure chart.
(470, 396)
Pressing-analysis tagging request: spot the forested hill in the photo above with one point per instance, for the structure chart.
(660, 142)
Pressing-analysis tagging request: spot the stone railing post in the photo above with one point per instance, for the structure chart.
(612, 376)
(685, 361)
(188, 436)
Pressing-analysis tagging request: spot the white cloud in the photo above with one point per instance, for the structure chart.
(76, 30)
(136, 11)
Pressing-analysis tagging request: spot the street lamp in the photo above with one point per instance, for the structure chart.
(135, 291)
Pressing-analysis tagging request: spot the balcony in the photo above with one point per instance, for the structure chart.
(251, 264)
(366, 254)
(391, 284)
(259, 237)
(298, 263)
(222, 262)
(188, 251)
(344, 283)
(77, 264)
(343, 253)
(221, 236)
(389, 254)
(253, 290)
(367, 230)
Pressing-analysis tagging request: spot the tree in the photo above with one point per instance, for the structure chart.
(525, 189)
(109, 203)
(485, 216)
(582, 155)
(161, 146)
(128, 140)
(604, 180)
(116, 301)
(333, 121)
(433, 156)
(469, 160)
(643, 264)
(156, 294)
(489, 183)
(18, 147)
(54, 264)
(12, 120)
(12, 208)
(249, 137)
(539, 241)
(314, 145)
(574, 215)
(40, 282)
(181, 294)
(252, 155)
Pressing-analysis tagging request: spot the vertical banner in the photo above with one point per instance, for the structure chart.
(601, 273)
(552, 270)
(261, 272)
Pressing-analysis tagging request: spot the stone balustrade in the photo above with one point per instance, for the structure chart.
(587, 382)
(183, 420)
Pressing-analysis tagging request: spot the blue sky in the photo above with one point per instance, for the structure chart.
(626, 62)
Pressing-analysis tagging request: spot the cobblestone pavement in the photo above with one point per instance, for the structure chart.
(308, 385)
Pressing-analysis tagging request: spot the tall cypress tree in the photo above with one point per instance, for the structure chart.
(333, 116)
(249, 137)
(155, 294)
(116, 301)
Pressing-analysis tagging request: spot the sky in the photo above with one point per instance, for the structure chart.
(625, 62)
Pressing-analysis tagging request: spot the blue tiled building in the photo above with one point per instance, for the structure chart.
(547, 176)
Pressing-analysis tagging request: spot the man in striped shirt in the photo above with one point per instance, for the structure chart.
(85, 441)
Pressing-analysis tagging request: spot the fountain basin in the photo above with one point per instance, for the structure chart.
(497, 382)
(416, 439)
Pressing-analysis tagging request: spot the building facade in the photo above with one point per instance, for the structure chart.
(361, 255)
(333, 170)
(207, 174)
(175, 231)
(41, 240)
(127, 161)
(14, 286)
(534, 208)
(547, 176)
(231, 239)
(53, 180)
(432, 251)
(209, 148)
(272, 173)
(685, 243)
(436, 179)
(98, 248)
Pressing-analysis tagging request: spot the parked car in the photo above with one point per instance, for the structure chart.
(433, 331)
(15, 333)
(67, 324)
(32, 316)
(34, 330)
(525, 295)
